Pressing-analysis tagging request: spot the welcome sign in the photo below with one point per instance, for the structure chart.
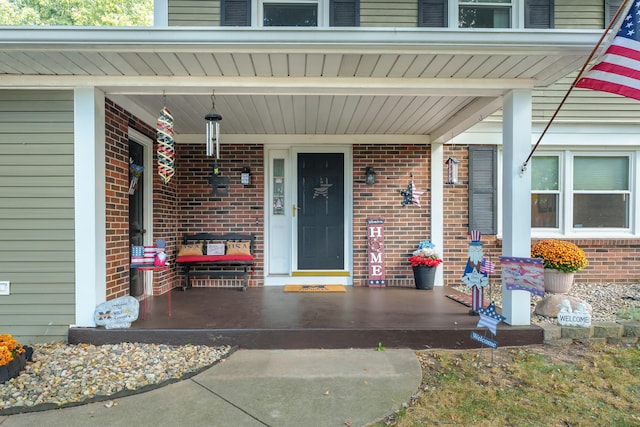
(375, 244)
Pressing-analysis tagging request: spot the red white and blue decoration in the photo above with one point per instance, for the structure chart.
(618, 69)
(487, 266)
(489, 318)
(166, 146)
(523, 274)
(411, 194)
(473, 278)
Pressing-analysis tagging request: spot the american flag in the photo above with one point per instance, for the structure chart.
(618, 71)
(487, 267)
(489, 318)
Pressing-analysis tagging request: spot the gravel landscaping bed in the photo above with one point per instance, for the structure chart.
(66, 375)
(606, 299)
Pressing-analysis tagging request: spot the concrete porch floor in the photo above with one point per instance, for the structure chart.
(269, 318)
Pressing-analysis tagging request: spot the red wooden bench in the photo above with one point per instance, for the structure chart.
(231, 256)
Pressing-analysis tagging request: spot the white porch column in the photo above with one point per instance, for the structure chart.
(437, 204)
(160, 13)
(90, 217)
(516, 213)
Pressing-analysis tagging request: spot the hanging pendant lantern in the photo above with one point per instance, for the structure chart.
(212, 122)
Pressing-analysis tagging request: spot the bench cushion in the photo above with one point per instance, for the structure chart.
(212, 258)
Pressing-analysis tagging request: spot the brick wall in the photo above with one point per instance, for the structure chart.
(404, 226)
(117, 203)
(240, 211)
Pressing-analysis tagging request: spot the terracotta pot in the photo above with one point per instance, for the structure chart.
(424, 277)
(557, 282)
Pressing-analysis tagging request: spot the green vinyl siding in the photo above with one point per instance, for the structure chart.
(583, 104)
(579, 14)
(385, 13)
(37, 214)
(192, 13)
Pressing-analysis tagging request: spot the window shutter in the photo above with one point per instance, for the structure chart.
(610, 9)
(538, 14)
(432, 13)
(235, 13)
(483, 191)
(344, 13)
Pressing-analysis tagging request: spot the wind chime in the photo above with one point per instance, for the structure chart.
(166, 144)
(219, 184)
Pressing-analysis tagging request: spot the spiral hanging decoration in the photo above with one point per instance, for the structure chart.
(166, 144)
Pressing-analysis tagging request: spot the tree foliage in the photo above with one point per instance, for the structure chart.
(77, 12)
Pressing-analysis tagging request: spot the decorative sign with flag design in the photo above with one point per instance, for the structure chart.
(618, 71)
(526, 274)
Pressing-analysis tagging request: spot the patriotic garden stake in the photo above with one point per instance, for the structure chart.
(166, 146)
(489, 318)
(473, 277)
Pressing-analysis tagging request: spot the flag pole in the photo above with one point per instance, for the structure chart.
(566, 95)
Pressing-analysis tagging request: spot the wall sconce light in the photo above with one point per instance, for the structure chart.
(245, 176)
(370, 175)
(452, 170)
(212, 122)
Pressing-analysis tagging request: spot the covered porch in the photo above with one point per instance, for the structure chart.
(269, 318)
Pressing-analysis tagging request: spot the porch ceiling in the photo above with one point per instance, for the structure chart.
(415, 82)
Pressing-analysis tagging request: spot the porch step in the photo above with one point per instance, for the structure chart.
(309, 338)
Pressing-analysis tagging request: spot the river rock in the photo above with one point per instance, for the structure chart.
(549, 306)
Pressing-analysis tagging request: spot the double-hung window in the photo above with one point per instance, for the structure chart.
(484, 14)
(601, 192)
(290, 13)
(287, 13)
(545, 192)
(576, 192)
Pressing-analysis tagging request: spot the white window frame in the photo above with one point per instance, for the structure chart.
(566, 229)
(517, 13)
(257, 7)
(560, 192)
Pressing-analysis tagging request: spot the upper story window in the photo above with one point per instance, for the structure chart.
(290, 13)
(279, 13)
(484, 14)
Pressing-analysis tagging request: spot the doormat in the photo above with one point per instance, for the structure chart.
(314, 288)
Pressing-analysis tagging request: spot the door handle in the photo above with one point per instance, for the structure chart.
(294, 209)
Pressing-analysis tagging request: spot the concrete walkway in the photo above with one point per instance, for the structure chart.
(261, 388)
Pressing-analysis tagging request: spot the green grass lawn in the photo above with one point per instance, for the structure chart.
(577, 385)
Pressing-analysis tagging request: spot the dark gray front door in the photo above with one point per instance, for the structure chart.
(321, 211)
(136, 213)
